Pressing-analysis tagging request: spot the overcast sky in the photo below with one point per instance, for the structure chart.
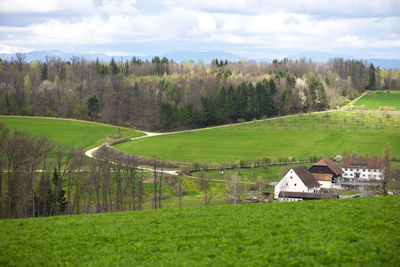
(254, 28)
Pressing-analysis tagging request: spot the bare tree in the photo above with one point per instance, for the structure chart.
(3, 143)
(154, 203)
(204, 183)
(386, 170)
(234, 188)
(160, 185)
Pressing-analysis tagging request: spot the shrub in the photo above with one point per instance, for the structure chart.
(386, 108)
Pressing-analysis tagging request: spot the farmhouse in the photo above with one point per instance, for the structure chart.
(362, 168)
(298, 179)
(326, 172)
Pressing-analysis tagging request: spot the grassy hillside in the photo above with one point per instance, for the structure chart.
(69, 132)
(326, 134)
(363, 231)
(374, 100)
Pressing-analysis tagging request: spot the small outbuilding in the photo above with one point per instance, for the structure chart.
(326, 172)
(300, 196)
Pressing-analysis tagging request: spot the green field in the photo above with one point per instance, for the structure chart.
(324, 135)
(270, 174)
(374, 100)
(356, 232)
(68, 132)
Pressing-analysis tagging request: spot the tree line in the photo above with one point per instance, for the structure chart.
(163, 95)
(41, 178)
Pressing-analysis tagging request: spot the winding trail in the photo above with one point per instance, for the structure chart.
(90, 152)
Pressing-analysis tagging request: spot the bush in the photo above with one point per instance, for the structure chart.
(386, 108)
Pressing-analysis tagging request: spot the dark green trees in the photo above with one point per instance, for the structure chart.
(372, 79)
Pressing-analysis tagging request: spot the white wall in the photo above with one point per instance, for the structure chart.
(364, 173)
(291, 183)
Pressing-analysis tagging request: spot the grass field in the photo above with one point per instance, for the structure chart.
(297, 136)
(374, 100)
(68, 132)
(271, 174)
(356, 232)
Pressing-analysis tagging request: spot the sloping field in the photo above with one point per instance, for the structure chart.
(374, 100)
(68, 132)
(356, 232)
(324, 134)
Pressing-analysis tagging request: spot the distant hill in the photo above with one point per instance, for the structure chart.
(205, 56)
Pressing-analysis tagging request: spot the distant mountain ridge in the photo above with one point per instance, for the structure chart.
(206, 57)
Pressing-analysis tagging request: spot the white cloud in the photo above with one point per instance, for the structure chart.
(44, 6)
(263, 25)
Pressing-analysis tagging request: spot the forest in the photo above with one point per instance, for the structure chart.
(163, 95)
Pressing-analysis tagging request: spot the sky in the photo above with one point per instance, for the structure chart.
(249, 28)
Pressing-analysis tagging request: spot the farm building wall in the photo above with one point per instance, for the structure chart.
(291, 183)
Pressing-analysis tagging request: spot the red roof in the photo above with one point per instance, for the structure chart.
(331, 165)
(365, 163)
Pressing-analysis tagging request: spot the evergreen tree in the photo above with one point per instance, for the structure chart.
(113, 66)
(92, 106)
(372, 78)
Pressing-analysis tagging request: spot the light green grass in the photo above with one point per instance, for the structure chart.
(297, 136)
(374, 100)
(349, 232)
(270, 174)
(71, 133)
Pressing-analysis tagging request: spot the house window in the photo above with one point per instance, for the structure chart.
(286, 183)
(291, 177)
(358, 169)
(363, 175)
(351, 169)
(369, 170)
(374, 176)
(295, 184)
(345, 169)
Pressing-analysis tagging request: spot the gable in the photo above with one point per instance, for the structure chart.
(306, 176)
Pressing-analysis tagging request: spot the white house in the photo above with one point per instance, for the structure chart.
(298, 179)
(362, 168)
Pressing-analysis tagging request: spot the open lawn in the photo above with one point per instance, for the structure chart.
(324, 135)
(374, 100)
(356, 232)
(68, 132)
(270, 174)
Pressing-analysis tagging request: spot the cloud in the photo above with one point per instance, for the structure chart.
(44, 6)
(244, 25)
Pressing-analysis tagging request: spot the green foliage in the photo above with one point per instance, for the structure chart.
(372, 78)
(43, 72)
(92, 106)
(296, 136)
(363, 231)
(113, 66)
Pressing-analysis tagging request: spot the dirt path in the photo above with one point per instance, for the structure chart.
(352, 102)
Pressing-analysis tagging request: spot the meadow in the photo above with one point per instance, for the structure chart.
(374, 100)
(72, 133)
(363, 231)
(270, 174)
(300, 136)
